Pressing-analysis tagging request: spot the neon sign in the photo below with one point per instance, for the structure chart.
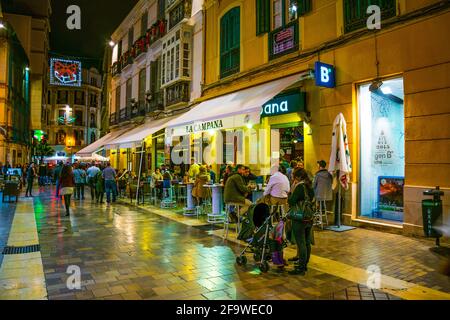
(65, 72)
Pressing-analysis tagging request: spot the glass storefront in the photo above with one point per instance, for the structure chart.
(382, 143)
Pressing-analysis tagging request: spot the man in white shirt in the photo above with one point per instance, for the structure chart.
(91, 173)
(278, 188)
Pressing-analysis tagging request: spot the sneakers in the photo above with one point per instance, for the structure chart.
(298, 271)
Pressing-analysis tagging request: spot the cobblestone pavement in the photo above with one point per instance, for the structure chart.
(129, 253)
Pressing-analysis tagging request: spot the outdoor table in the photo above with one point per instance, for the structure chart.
(190, 208)
(217, 201)
(256, 195)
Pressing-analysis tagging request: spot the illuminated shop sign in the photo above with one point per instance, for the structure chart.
(284, 104)
(325, 75)
(65, 72)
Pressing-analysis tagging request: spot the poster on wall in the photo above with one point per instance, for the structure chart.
(390, 194)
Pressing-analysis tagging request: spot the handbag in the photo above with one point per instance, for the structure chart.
(302, 211)
(66, 190)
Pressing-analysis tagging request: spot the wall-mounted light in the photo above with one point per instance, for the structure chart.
(27, 69)
(2, 26)
(249, 125)
(111, 43)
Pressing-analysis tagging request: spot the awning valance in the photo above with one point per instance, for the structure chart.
(100, 143)
(244, 102)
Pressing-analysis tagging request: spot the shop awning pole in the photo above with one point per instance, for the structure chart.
(140, 171)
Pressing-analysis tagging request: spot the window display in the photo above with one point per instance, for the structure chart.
(382, 141)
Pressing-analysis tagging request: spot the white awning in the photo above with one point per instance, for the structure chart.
(100, 143)
(134, 137)
(247, 101)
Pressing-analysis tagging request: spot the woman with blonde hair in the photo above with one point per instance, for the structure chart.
(199, 191)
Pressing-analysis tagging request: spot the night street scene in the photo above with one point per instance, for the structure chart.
(237, 152)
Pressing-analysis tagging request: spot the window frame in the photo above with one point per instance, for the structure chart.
(358, 20)
(231, 43)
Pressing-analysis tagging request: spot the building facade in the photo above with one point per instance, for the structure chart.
(156, 73)
(15, 131)
(73, 114)
(391, 85)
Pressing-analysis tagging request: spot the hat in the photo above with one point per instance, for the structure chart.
(322, 163)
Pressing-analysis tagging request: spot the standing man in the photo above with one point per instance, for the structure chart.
(31, 173)
(278, 188)
(91, 174)
(57, 174)
(109, 174)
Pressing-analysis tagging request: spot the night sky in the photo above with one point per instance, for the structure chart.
(99, 19)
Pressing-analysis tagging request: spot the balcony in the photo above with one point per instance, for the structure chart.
(113, 119)
(115, 69)
(284, 40)
(126, 59)
(138, 110)
(156, 32)
(179, 12)
(177, 93)
(140, 47)
(124, 114)
(155, 102)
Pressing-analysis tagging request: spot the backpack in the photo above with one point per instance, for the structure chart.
(304, 210)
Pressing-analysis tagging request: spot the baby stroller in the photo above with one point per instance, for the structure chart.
(256, 230)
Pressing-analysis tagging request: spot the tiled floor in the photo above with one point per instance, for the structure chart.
(129, 253)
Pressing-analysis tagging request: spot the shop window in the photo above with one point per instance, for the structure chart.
(355, 12)
(382, 143)
(230, 42)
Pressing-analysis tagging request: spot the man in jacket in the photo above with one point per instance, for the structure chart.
(323, 183)
(236, 191)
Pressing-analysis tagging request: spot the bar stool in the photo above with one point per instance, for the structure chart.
(181, 194)
(168, 201)
(226, 222)
(321, 212)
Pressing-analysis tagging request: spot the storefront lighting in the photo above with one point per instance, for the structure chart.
(211, 132)
(249, 125)
(386, 90)
(27, 69)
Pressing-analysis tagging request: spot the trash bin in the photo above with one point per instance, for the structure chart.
(432, 213)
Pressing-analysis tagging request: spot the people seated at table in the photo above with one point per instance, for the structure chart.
(228, 172)
(212, 174)
(236, 191)
(194, 169)
(278, 188)
(199, 192)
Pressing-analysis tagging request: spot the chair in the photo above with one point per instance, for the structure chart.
(227, 220)
(10, 190)
(181, 194)
(320, 214)
(167, 201)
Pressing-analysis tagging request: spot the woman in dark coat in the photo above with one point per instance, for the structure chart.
(67, 183)
(302, 230)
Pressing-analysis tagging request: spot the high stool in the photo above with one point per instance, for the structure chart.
(168, 201)
(226, 222)
(320, 214)
(181, 194)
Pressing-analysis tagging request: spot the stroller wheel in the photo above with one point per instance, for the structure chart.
(241, 260)
(264, 266)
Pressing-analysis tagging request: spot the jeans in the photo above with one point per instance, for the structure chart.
(57, 187)
(29, 187)
(303, 234)
(110, 186)
(67, 203)
(79, 191)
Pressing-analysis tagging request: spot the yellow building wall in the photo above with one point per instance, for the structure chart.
(418, 51)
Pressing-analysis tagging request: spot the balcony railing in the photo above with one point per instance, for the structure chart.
(124, 114)
(156, 31)
(113, 119)
(138, 110)
(177, 93)
(116, 68)
(156, 102)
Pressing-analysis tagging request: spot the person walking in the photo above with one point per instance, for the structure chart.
(278, 188)
(31, 174)
(109, 174)
(301, 228)
(42, 173)
(91, 174)
(67, 183)
(80, 179)
(99, 183)
(57, 174)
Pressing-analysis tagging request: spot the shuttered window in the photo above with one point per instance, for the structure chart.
(230, 40)
(262, 16)
(355, 12)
